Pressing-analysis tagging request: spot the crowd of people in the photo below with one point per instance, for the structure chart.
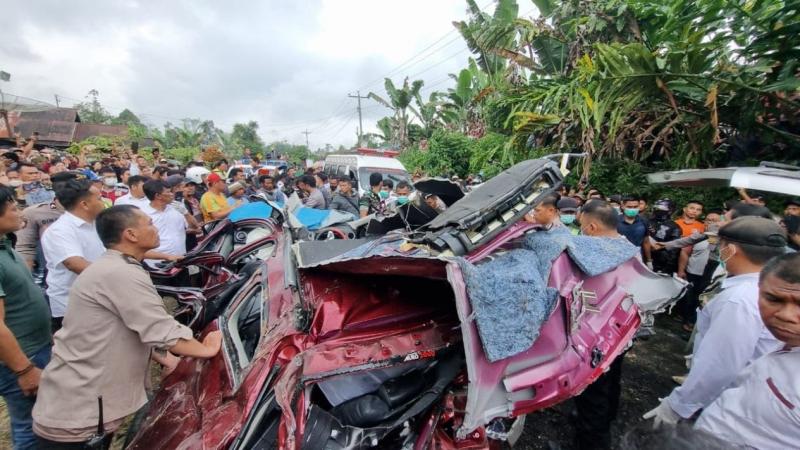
(77, 234)
(742, 307)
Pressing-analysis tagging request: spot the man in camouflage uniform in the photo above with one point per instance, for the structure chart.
(371, 202)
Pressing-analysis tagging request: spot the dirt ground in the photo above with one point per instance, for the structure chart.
(646, 375)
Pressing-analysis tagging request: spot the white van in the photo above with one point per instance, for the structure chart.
(359, 168)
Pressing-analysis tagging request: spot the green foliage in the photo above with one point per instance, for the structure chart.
(182, 154)
(399, 100)
(91, 111)
(414, 159)
(485, 157)
(127, 117)
(684, 82)
(295, 154)
(612, 176)
(449, 153)
(245, 135)
(98, 145)
(452, 153)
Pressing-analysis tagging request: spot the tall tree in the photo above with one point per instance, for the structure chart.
(91, 110)
(245, 135)
(400, 101)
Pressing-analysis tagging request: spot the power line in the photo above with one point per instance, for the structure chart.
(443, 37)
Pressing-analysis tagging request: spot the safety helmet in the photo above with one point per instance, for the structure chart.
(195, 174)
(664, 204)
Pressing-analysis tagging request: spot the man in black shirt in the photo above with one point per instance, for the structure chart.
(664, 229)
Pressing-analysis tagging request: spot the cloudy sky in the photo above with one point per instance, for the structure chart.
(287, 64)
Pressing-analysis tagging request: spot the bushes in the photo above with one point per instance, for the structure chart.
(452, 153)
(613, 176)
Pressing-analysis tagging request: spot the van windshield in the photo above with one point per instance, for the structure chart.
(395, 175)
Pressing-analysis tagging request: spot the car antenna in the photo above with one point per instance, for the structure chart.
(98, 439)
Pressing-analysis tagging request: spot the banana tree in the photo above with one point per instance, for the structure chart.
(400, 102)
(690, 83)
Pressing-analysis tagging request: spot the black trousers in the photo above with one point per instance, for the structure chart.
(597, 407)
(690, 301)
(56, 323)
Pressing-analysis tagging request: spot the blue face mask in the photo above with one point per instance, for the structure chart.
(631, 212)
(384, 195)
(402, 200)
(568, 219)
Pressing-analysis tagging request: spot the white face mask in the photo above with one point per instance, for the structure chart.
(15, 183)
(723, 261)
(110, 181)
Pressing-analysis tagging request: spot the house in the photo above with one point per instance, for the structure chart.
(57, 127)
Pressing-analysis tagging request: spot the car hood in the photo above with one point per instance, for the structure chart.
(768, 177)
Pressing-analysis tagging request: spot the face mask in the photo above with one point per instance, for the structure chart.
(15, 183)
(631, 212)
(384, 195)
(402, 200)
(568, 219)
(722, 260)
(616, 208)
(110, 181)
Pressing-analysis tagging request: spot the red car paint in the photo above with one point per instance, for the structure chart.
(379, 312)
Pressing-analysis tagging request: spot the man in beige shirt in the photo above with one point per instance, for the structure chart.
(114, 320)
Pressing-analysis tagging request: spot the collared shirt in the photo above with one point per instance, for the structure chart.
(171, 225)
(114, 318)
(762, 409)
(730, 335)
(129, 199)
(26, 313)
(67, 237)
(36, 219)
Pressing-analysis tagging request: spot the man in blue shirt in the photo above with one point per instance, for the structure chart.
(634, 227)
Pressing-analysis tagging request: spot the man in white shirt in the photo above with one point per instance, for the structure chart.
(170, 223)
(730, 332)
(136, 195)
(762, 409)
(71, 243)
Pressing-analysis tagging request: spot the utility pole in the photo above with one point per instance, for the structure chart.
(307, 133)
(360, 125)
(56, 96)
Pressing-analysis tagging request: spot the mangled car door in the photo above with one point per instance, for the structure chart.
(592, 321)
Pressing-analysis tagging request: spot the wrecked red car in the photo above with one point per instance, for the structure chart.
(384, 343)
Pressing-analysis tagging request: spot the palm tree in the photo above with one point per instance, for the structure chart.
(400, 102)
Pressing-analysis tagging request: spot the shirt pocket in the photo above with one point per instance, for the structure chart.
(783, 406)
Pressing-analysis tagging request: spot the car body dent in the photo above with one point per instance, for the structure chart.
(341, 316)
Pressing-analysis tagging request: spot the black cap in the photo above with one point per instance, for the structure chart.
(792, 202)
(11, 155)
(754, 231)
(568, 204)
